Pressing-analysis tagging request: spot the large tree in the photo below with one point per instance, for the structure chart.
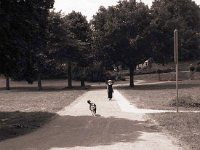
(167, 16)
(124, 29)
(11, 39)
(38, 12)
(63, 45)
(23, 34)
(78, 25)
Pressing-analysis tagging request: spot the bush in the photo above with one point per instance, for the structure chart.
(93, 73)
(147, 71)
(151, 71)
(198, 68)
(192, 68)
(121, 78)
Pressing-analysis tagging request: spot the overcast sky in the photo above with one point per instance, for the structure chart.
(89, 7)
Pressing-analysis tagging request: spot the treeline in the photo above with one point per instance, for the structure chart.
(37, 42)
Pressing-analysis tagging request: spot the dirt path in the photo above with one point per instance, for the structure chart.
(113, 128)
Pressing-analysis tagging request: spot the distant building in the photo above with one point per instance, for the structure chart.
(147, 64)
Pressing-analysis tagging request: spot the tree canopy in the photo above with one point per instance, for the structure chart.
(23, 35)
(32, 37)
(167, 16)
(119, 31)
(70, 39)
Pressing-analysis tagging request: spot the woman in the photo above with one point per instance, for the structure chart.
(110, 89)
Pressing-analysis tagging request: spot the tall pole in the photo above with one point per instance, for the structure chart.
(176, 62)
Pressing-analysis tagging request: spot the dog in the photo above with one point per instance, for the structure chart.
(92, 107)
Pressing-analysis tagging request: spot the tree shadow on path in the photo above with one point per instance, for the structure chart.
(85, 131)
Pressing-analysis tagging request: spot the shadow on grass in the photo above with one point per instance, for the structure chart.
(51, 88)
(44, 89)
(89, 87)
(13, 124)
(85, 131)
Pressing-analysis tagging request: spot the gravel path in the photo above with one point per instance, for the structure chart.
(113, 128)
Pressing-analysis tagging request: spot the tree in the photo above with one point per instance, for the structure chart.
(38, 12)
(77, 24)
(11, 38)
(99, 39)
(63, 46)
(23, 33)
(123, 34)
(166, 17)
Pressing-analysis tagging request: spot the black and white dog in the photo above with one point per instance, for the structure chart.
(92, 107)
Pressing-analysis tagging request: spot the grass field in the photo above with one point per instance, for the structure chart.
(183, 126)
(160, 96)
(24, 108)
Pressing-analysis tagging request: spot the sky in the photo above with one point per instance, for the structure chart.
(89, 8)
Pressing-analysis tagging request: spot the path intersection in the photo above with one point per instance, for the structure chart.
(118, 126)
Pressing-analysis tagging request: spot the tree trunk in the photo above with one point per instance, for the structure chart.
(82, 76)
(7, 83)
(159, 77)
(69, 74)
(82, 83)
(39, 82)
(131, 70)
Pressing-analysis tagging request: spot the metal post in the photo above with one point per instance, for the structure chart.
(176, 62)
